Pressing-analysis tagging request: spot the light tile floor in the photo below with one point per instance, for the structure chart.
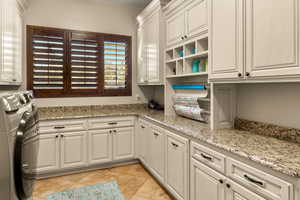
(135, 183)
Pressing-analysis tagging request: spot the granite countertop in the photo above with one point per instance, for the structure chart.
(280, 155)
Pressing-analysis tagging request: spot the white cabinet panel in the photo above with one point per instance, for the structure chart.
(272, 38)
(176, 28)
(238, 192)
(226, 41)
(142, 60)
(48, 153)
(73, 149)
(196, 16)
(157, 150)
(123, 143)
(205, 183)
(100, 146)
(143, 141)
(177, 166)
(11, 43)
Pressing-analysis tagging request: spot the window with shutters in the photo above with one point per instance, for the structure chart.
(68, 63)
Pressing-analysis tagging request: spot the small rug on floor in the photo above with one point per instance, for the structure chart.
(106, 191)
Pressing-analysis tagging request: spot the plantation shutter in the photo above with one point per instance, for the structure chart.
(116, 63)
(48, 60)
(85, 62)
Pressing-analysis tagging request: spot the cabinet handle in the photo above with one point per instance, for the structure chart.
(239, 74)
(247, 74)
(59, 127)
(112, 123)
(206, 157)
(228, 185)
(175, 145)
(156, 134)
(14, 80)
(253, 180)
(142, 126)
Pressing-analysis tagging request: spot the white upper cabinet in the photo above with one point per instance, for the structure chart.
(272, 43)
(176, 28)
(151, 45)
(196, 17)
(185, 20)
(11, 37)
(254, 40)
(226, 39)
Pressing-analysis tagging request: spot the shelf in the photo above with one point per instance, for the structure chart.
(204, 99)
(174, 60)
(188, 75)
(197, 55)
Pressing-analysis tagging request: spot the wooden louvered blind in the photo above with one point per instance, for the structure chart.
(85, 62)
(67, 63)
(48, 60)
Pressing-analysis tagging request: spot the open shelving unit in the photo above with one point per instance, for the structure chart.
(179, 59)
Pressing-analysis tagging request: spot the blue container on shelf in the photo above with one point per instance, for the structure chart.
(196, 66)
(181, 53)
(194, 51)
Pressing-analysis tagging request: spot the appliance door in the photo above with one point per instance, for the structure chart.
(25, 155)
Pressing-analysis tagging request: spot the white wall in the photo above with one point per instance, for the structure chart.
(87, 15)
(276, 103)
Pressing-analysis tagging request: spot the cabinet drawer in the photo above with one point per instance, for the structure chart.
(61, 126)
(209, 157)
(110, 122)
(265, 184)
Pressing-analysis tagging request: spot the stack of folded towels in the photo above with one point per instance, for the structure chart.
(188, 106)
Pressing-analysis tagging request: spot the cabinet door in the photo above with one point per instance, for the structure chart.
(73, 149)
(226, 39)
(48, 153)
(156, 147)
(143, 142)
(153, 48)
(196, 16)
(18, 45)
(123, 143)
(142, 61)
(175, 28)
(206, 183)
(7, 48)
(238, 192)
(177, 166)
(100, 146)
(272, 38)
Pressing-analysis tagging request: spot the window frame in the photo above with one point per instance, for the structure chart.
(67, 91)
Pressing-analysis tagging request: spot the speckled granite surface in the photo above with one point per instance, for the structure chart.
(283, 133)
(280, 155)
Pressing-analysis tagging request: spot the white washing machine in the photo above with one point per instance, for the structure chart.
(18, 145)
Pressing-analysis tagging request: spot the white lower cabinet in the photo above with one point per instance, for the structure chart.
(48, 153)
(100, 146)
(73, 149)
(177, 160)
(238, 192)
(123, 143)
(156, 152)
(143, 142)
(206, 183)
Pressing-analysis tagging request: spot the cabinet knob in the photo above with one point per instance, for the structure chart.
(247, 74)
(239, 74)
(185, 37)
(56, 136)
(62, 136)
(228, 185)
(115, 131)
(221, 181)
(182, 38)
